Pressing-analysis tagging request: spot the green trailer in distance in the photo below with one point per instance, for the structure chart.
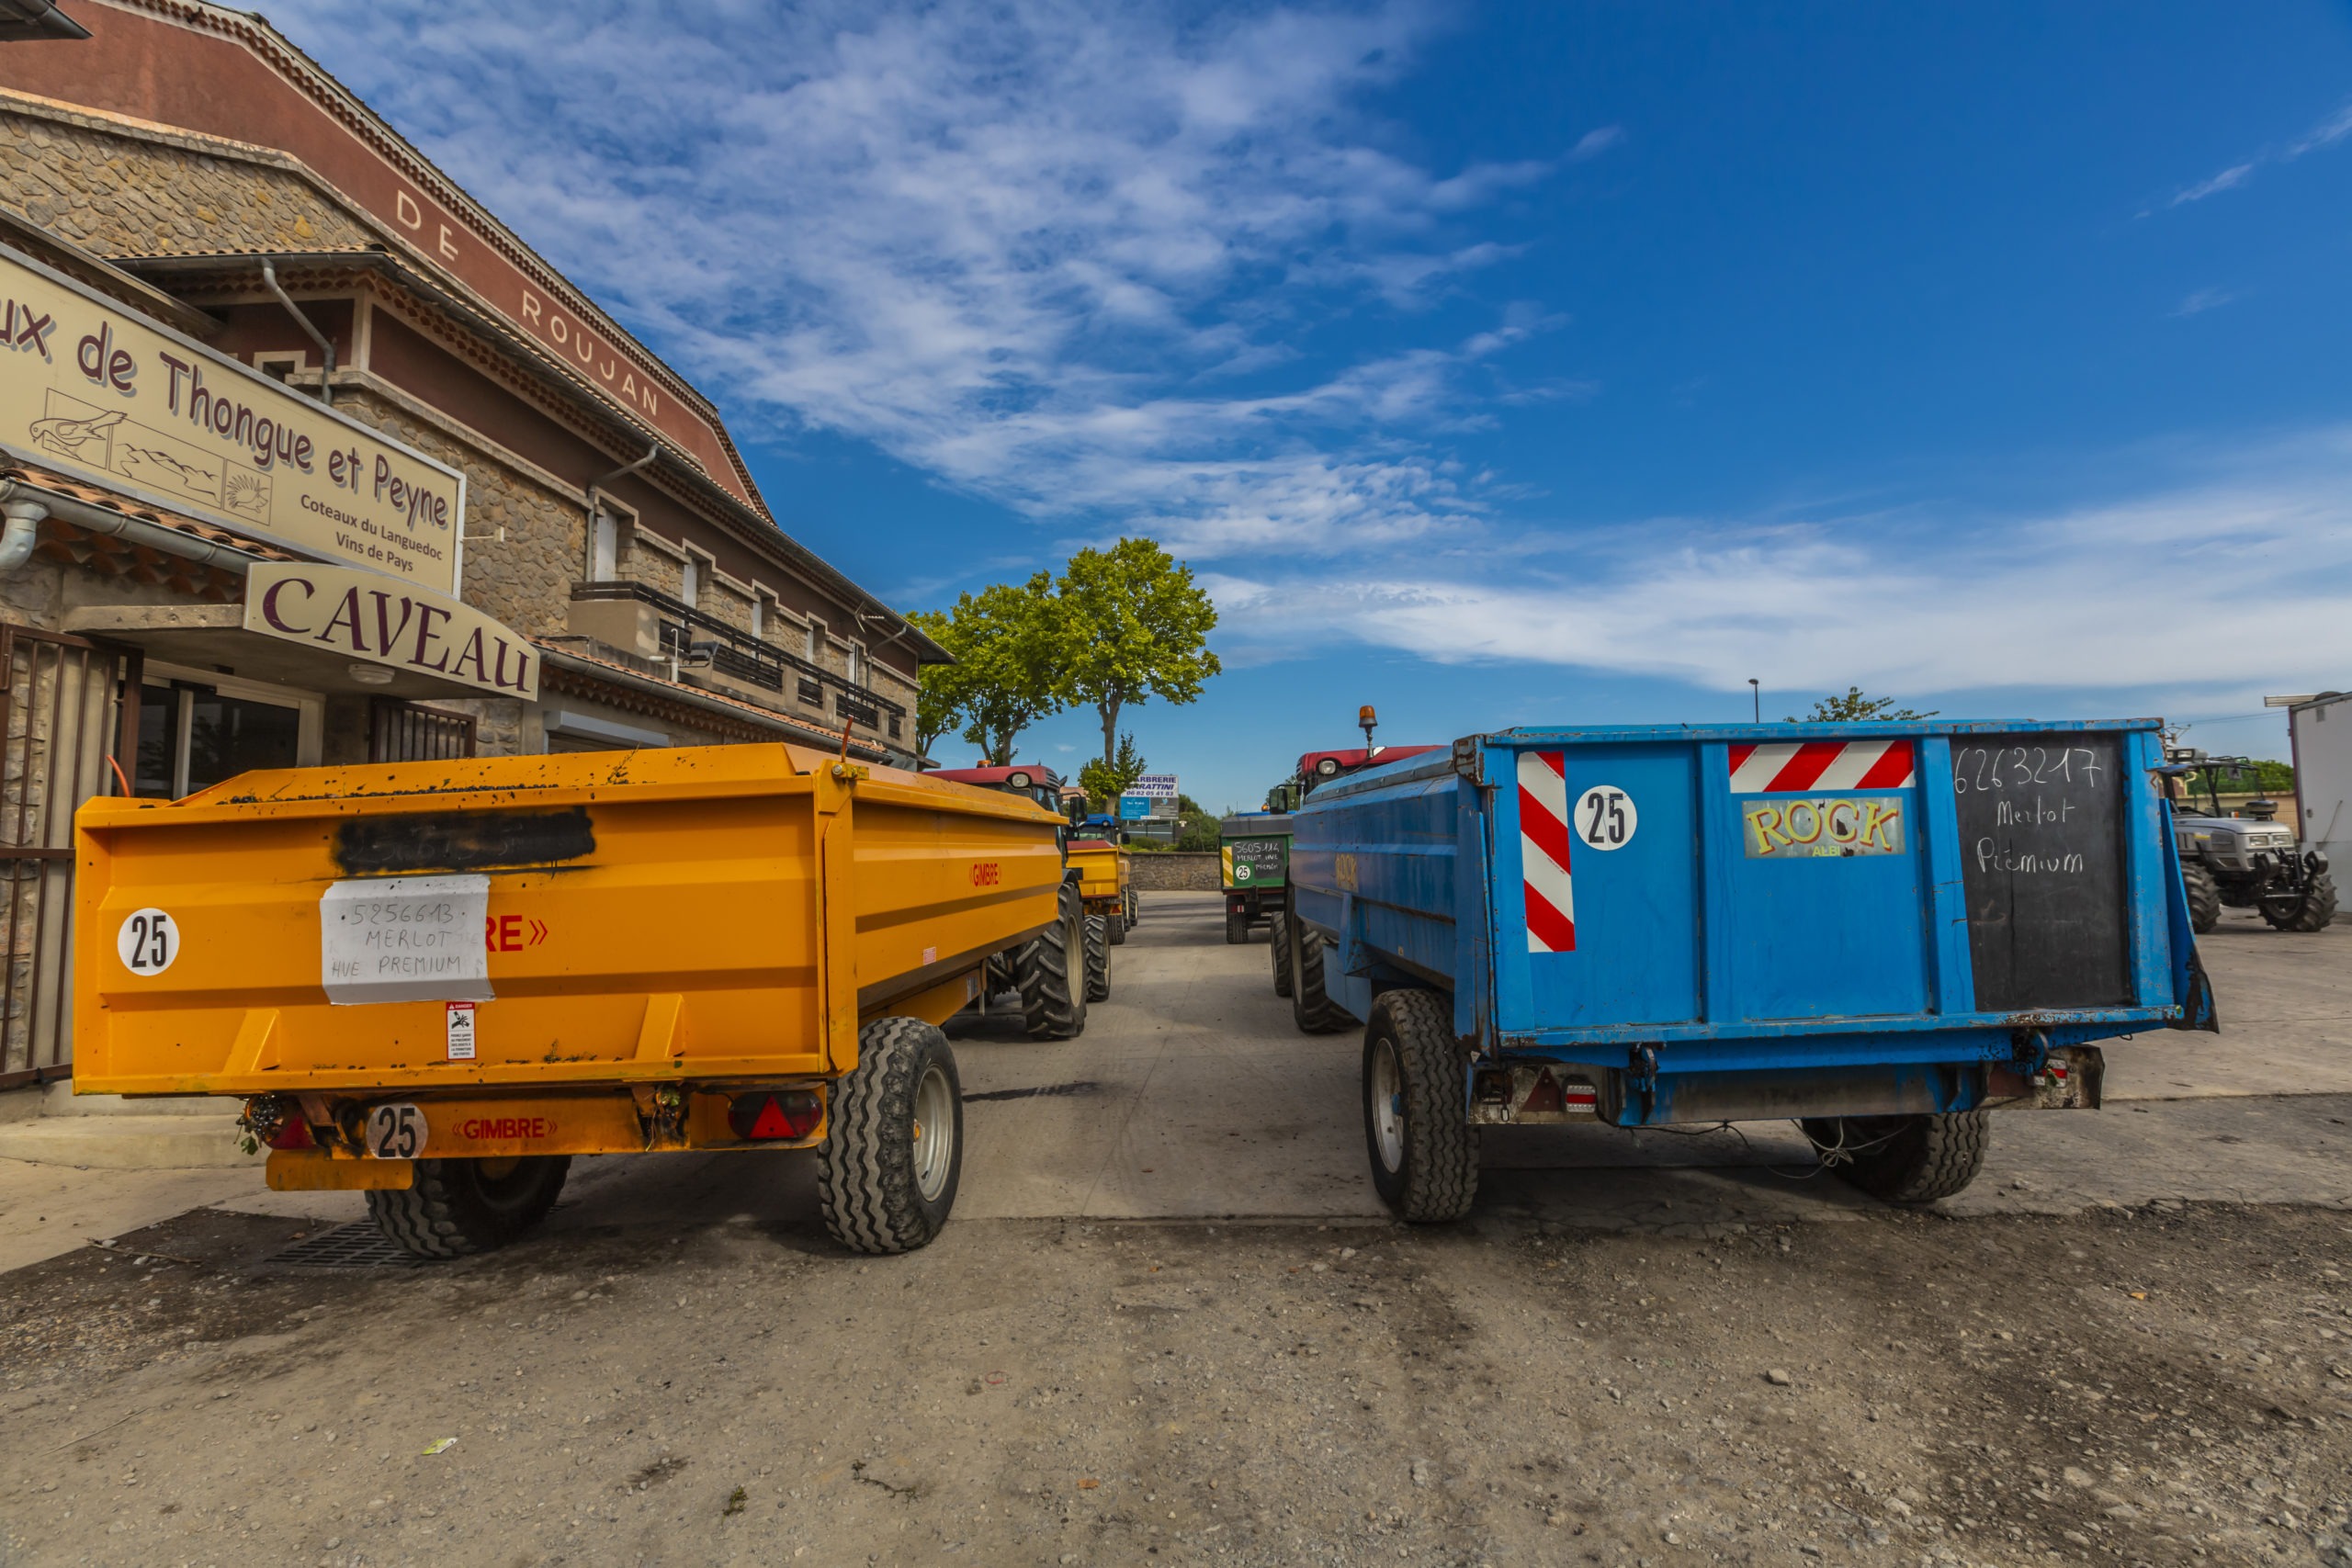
(1253, 854)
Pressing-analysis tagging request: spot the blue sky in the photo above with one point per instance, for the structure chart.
(1496, 364)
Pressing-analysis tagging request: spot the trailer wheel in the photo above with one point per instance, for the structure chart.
(2204, 896)
(1903, 1159)
(1101, 932)
(1116, 925)
(1280, 946)
(1311, 1008)
(894, 1146)
(1424, 1150)
(1135, 907)
(461, 1206)
(1051, 1007)
(2310, 908)
(1236, 927)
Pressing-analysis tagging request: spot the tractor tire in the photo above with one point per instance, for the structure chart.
(894, 1141)
(1424, 1150)
(2312, 908)
(1135, 907)
(1237, 928)
(2204, 896)
(1099, 938)
(1053, 1005)
(1903, 1159)
(1279, 947)
(462, 1206)
(1311, 1008)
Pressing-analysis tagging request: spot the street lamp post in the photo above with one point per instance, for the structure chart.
(1757, 692)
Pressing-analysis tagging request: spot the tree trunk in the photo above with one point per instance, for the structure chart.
(1110, 712)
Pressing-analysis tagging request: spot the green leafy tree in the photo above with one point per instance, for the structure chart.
(1007, 673)
(945, 688)
(1133, 626)
(1104, 782)
(1856, 708)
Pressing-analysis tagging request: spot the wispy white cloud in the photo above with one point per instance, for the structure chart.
(2202, 300)
(1071, 257)
(2228, 179)
(2325, 134)
(1914, 602)
(1593, 144)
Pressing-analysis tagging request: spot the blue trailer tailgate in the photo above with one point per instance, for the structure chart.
(1753, 882)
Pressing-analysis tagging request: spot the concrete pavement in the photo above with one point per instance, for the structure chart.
(1190, 1096)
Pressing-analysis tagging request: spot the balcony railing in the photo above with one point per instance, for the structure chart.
(753, 661)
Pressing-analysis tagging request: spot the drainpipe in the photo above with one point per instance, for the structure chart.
(588, 571)
(19, 501)
(23, 532)
(326, 345)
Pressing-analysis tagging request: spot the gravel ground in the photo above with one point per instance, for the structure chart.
(2168, 1385)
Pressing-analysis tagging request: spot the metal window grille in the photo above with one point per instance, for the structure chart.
(403, 732)
(69, 725)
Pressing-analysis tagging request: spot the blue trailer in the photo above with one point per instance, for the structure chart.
(1880, 930)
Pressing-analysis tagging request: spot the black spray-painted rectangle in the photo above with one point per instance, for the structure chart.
(2041, 863)
(461, 841)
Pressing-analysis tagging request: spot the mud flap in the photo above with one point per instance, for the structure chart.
(2190, 988)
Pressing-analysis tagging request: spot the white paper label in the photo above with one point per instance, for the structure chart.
(405, 939)
(462, 1031)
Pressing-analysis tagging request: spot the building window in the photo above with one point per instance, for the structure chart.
(814, 652)
(279, 367)
(192, 735)
(857, 664)
(604, 555)
(405, 732)
(763, 611)
(696, 571)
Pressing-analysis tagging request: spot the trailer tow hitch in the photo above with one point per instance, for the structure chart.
(1641, 1076)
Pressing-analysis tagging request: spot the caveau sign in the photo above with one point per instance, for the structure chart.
(359, 615)
(90, 389)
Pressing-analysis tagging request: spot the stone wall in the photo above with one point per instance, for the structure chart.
(524, 580)
(1179, 871)
(117, 195)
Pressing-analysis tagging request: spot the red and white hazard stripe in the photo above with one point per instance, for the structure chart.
(1820, 764)
(1543, 852)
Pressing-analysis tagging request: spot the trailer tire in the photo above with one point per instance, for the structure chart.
(1134, 901)
(1101, 931)
(886, 1178)
(1236, 927)
(1424, 1151)
(2204, 896)
(2310, 910)
(1280, 946)
(1904, 1159)
(1052, 1008)
(1313, 1012)
(461, 1206)
(1116, 925)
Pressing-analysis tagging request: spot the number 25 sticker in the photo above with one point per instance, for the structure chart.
(1605, 818)
(148, 943)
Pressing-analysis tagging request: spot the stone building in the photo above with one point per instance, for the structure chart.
(306, 457)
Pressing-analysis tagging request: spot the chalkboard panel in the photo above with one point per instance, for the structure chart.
(2041, 862)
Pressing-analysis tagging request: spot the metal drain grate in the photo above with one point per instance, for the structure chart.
(358, 1244)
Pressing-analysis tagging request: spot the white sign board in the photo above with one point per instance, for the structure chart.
(1154, 786)
(364, 615)
(92, 389)
(405, 939)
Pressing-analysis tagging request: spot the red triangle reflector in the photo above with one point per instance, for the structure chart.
(771, 1123)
